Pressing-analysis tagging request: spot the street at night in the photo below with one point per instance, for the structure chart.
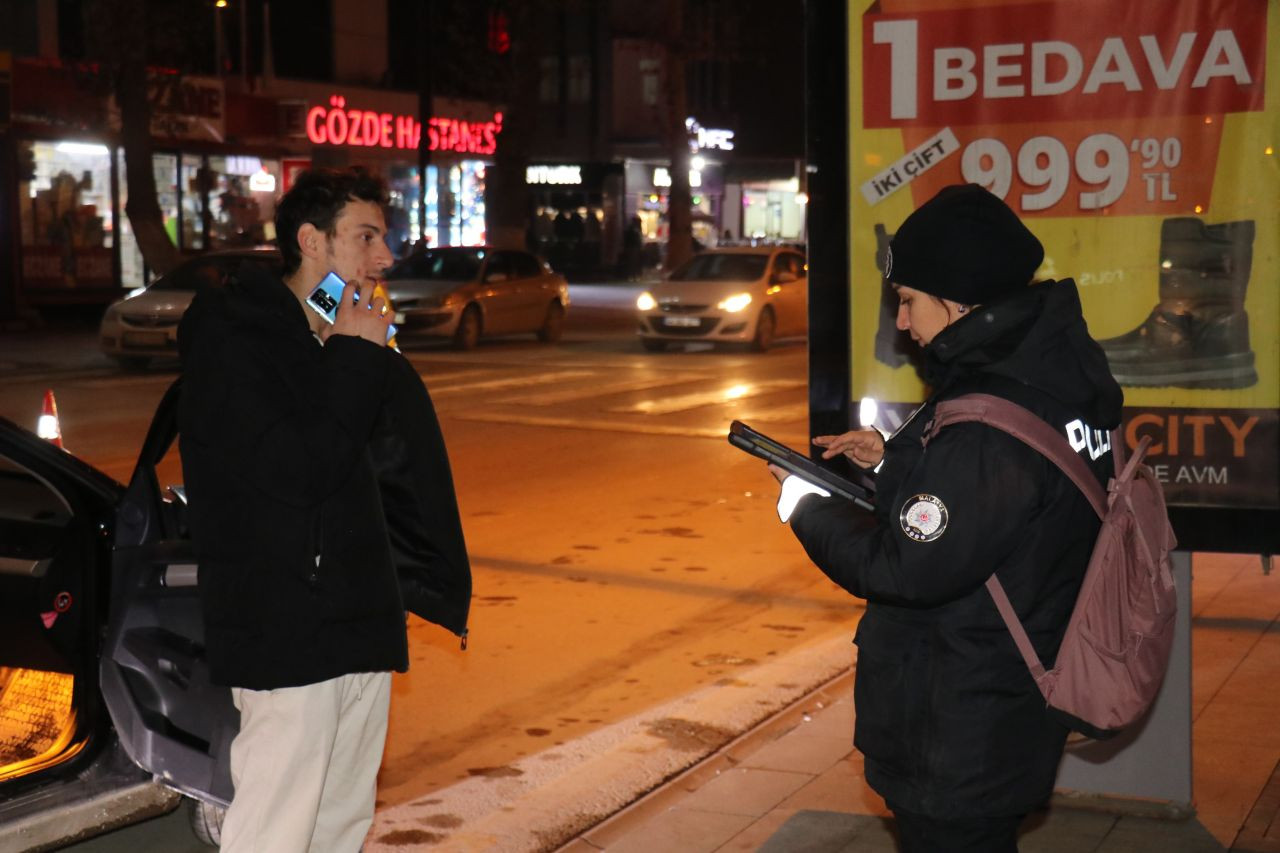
(625, 555)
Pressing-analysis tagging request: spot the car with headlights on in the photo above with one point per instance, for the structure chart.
(747, 295)
(144, 325)
(465, 292)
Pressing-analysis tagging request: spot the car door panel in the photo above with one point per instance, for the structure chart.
(171, 719)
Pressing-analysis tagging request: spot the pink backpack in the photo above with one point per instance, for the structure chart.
(1117, 645)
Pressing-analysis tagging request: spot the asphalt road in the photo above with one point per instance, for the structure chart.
(624, 554)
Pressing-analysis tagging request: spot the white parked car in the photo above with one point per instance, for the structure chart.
(144, 325)
(463, 292)
(745, 294)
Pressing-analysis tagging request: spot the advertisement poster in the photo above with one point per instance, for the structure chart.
(1140, 149)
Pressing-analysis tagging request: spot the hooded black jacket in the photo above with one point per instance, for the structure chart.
(948, 718)
(313, 474)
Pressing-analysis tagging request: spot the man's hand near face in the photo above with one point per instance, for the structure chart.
(366, 318)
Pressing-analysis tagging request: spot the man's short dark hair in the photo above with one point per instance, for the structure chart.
(317, 196)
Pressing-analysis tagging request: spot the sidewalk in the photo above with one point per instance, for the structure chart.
(795, 784)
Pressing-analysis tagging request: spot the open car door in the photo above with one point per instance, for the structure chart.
(170, 719)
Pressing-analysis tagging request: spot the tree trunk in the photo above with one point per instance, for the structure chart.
(132, 92)
(679, 201)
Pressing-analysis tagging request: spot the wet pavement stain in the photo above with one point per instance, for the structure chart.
(622, 540)
(678, 532)
(411, 837)
(535, 732)
(723, 660)
(657, 569)
(786, 629)
(695, 568)
(570, 720)
(587, 547)
(688, 735)
(494, 772)
(441, 821)
(646, 517)
(576, 579)
(434, 801)
(732, 682)
(562, 560)
(496, 599)
(666, 559)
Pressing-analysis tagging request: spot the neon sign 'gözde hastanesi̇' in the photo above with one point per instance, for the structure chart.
(337, 124)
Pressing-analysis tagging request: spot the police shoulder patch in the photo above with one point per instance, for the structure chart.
(923, 518)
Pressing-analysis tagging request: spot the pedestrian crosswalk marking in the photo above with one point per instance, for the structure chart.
(779, 414)
(615, 425)
(512, 382)
(684, 402)
(569, 395)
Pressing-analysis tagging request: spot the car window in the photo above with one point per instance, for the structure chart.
(211, 270)
(497, 263)
(524, 266)
(722, 267)
(792, 263)
(196, 274)
(439, 265)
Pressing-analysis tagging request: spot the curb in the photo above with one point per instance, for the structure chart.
(619, 824)
(576, 788)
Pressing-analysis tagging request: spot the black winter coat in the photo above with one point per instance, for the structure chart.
(948, 717)
(313, 474)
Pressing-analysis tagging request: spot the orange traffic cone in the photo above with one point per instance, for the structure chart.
(47, 427)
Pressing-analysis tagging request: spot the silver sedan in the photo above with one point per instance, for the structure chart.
(463, 292)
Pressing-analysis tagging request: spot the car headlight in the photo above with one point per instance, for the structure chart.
(735, 303)
(646, 302)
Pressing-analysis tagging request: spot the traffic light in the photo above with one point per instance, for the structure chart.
(499, 32)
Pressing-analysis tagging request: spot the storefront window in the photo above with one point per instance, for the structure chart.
(193, 219)
(403, 225)
(466, 185)
(242, 200)
(133, 271)
(65, 216)
(772, 211)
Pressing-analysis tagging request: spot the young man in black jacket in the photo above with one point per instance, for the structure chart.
(291, 430)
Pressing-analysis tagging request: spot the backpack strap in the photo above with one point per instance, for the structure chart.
(1029, 428)
(1032, 430)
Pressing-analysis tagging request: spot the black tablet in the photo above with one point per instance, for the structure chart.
(758, 444)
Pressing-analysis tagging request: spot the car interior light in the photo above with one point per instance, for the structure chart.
(735, 303)
(37, 720)
(646, 302)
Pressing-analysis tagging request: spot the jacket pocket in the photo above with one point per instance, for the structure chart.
(891, 695)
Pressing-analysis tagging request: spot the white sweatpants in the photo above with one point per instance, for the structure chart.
(305, 765)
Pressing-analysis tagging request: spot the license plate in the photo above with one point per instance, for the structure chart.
(152, 340)
(684, 322)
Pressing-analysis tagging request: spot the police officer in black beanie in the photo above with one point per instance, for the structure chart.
(954, 731)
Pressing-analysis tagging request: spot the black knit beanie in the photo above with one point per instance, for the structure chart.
(964, 244)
